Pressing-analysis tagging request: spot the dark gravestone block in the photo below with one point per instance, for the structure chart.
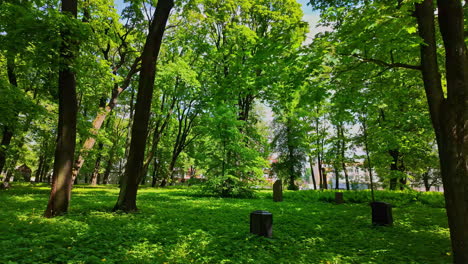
(382, 213)
(339, 198)
(261, 223)
(278, 191)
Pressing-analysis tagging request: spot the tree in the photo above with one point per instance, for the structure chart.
(62, 180)
(129, 184)
(448, 111)
(288, 143)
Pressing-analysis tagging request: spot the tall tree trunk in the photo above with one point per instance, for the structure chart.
(97, 166)
(369, 164)
(171, 169)
(5, 143)
(343, 157)
(105, 178)
(64, 152)
(101, 116)
(324, 181)
(343, 165)
(449, 116)
(45, 170)
(39, 168)
(155, 171)
(319, 166)
(452, 142)
(394, 153)
(8, 129)
(312, 172)
(337, 178)
(425, 178)
(129, 184)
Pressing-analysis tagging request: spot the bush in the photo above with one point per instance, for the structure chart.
(228, 186)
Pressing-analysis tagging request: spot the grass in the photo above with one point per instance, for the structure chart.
(177, 226)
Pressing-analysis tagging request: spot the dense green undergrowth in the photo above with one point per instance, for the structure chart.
(178, 226)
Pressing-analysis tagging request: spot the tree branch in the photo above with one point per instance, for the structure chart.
(386, 64)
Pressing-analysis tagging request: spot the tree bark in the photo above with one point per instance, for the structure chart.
(39, 168)
(161, 126)
(343, 157)
(8, 129)
(64, 152)
(449, 115)
(324, 181)
(425, 178)
(97, 166)
(393, 168)
(6, 140)
(337, 178)
(312, 172)
(369, 164)
(453, 145)
(129, 184)
(155, 171)
(105, 178)
(101, 117)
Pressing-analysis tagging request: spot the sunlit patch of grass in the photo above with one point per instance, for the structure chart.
(180, 226)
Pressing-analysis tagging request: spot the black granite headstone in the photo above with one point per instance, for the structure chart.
(339, 198)
(382, 213)
(261, 223)
(278, 191)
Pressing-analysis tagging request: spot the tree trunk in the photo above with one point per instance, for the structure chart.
(163, 183)
(155, 171)
(369, 164)
(343, 157)
(319, 165)
(97, 166)
(449, 116)
(6, 140)
(105, 178)
(129, 184)
(393, 169)
(104, 111)
(64, 152)
(324, 181)
(8, 129)
(171, 169)
(39, 168)
(425, 178)
(45, 170)
(312, 172)
(453, 145)
(337, 177)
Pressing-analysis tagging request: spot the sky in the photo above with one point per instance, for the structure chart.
(312, 17)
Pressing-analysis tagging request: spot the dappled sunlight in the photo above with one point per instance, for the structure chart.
(182, 228)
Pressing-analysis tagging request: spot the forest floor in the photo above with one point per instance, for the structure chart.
(176, 225)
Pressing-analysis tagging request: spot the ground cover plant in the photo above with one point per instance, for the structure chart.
(178, 225)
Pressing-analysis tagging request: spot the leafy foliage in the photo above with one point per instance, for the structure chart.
(211, 229)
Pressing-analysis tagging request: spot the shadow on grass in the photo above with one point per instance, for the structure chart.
(177, 228)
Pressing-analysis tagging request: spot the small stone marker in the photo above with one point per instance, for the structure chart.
(278, 191)
(339, 198)
(261, 223)
(382, 213)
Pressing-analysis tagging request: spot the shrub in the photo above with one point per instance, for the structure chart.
(228, 186)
